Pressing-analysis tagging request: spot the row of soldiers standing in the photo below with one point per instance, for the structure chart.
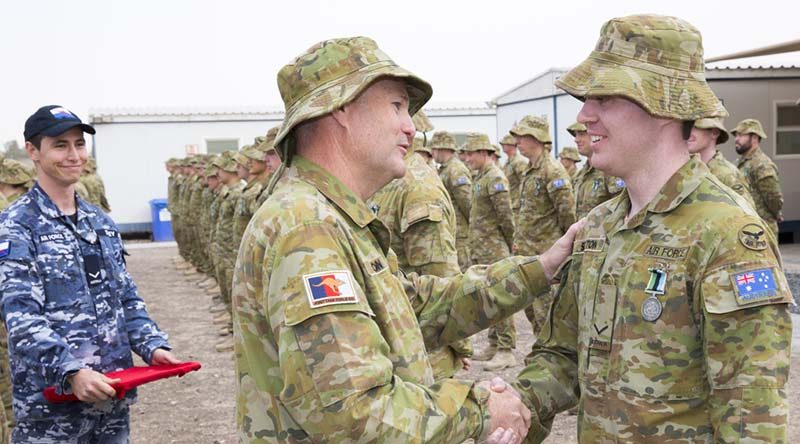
(212, 199)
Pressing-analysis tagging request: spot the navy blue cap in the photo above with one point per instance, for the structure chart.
(52, 120)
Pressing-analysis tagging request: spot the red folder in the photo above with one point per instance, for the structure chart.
(132, 377)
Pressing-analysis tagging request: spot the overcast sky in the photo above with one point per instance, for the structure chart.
(180, 53)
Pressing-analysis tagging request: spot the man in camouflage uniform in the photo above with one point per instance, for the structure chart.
(547, 205)
(491, 231)
(71, 309)
(457, 181)
(706, 135)
(671, 322)
(515, 167)
(569, 159)
(592, 186)
(94, 185)
(194, 211)
(257, 179)
(271, 161)
(760, 171)
(330, 334)
(421, 219)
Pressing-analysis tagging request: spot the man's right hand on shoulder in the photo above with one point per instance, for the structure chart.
(560, 251)
(91, 386)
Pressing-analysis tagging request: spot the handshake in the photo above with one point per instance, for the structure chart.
(509, 418)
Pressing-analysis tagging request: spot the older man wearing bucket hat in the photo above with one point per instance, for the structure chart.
(671, 321)
(760, 171)
(706, 135)
(330, 336)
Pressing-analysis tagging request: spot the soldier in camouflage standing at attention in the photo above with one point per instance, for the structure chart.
(271, 162)
(706, 135)
(421, 219)
(570, 159)
(254, 183)
(331, 335)
(184, 210)
(456, 178)
(227, 244)
(547, 205)
(174, 206)
(760, 171)
(515, 167)
(194, 211)
(206, 266)
(671, 322)
(491, 232)
(592, 186)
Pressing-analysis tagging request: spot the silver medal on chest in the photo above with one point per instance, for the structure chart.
(651, 309)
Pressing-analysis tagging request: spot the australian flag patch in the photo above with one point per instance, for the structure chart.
(754, 286)
(330, 287)
(558, 183)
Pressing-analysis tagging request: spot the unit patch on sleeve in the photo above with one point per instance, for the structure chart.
(753, 237)
(499, 187)
(330, 287)
(558, 183)
(754, 286)
(461, 181)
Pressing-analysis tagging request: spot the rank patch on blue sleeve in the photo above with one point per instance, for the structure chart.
(461, 181)
(558, 183)
(754, 286)
(5, 248)
(499, 187)
(620, 183)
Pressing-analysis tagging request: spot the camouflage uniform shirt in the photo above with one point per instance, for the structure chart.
(708, 362)
(728, 174)
(547, 206)
(491, 222)
(330, 337)
(59, 317)
(593, 187)
(514, 169)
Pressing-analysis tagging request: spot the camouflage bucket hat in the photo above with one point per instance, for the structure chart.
(508, 139)
(478, 142)
(421, 122)
(442, 140)
(267, 144)
(419, 146)
(655, 61)
(332, 74)
(570, 152)
(713, 122)
(211, 170)
(252, 153)
(225, 162)
(497, 151)
(241, 158)
(14, 172)
(575, 127)
(534, 126)
(750, 126)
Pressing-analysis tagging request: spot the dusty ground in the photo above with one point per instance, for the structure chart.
(199, 408)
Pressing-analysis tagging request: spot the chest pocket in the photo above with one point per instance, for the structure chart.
(660, 353)
(597, 297)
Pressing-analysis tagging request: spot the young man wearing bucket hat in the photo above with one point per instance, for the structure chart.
(706, 135)
(760, 171)
(671, 322)
(515, 167)
(569, 158)
(71, 309)
(331, 337)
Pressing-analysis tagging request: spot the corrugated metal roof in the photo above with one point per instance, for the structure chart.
(750, 67)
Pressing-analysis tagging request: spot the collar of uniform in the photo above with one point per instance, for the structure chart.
(332, 188)
(747, 156)
(49, 208)
(535, 165)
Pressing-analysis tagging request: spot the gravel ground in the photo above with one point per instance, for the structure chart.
(199, 408)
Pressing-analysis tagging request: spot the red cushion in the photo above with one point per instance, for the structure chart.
(132, 377)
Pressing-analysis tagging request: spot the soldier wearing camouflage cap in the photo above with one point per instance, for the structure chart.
(547, 205)
(569, 158)
(491, 232)
(457, 181)
(760, 171)
(94, 184)
(706, 135)
(316, 263)
(271, 164)
(515, 167)
(665, 323)
(591, 186)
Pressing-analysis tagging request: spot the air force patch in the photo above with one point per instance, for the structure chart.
(499, 187)
(558, 184)
(5, 248)
(330, 287)
(461, 180)
(754, 286)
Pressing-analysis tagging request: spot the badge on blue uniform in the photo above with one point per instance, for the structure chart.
(754, 286)
(558, 183)
(461, 181)
(5, 248)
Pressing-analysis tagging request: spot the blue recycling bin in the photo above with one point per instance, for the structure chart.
(162, 221)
